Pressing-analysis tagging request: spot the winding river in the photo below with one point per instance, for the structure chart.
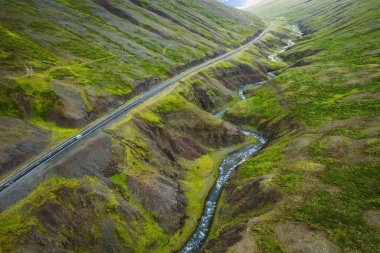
(227, 167)
(289, 44)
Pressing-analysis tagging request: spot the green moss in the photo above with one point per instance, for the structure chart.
(289, 182)
(352, 133)
(264, 105)
(170, 104)
(265, 162)
(373, 148)
(150, 116)
(119, 180)
(57, 133)
(8, 106)
(85, 100)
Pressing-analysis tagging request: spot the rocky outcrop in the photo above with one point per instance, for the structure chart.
(162, 197)
(210, 132)
(227, 237)
(171, 141)
(251, 196)
(242, 73)
(299, 238)
(70, 111)
(76, 108)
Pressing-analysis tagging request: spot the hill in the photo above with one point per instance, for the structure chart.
(88, 57)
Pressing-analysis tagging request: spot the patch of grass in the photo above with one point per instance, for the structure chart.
(265, 162)
(171, 103)
(373, 148)
(264, 105)
(264, 235)
(57, 133)
(289, 182)
(8, 106)
(351, 133)
(119, 180)
(199, 171)
(150, 116)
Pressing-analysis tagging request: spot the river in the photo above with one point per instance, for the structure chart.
(296, 30)
(226, 168)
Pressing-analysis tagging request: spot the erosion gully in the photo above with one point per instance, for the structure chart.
(229, 165)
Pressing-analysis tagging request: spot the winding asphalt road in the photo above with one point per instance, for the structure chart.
(122, 109)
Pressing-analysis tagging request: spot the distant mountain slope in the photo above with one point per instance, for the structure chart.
(238, 3)
(103, 51)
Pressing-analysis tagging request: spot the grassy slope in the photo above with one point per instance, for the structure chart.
(97, 47)
(328, 171)
(102, 54)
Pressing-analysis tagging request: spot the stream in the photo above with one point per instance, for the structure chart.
(228, 166)
(289, 44)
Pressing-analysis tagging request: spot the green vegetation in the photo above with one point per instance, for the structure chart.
(373, 148)
(263, 104)
(320, 113)
(324, 100)
(351, 133)
(21, 219)
(57, 133)
(325, 162)
(102, 51)
(150, 116)
(264, 235)
(170, 104)
(289, 182)
(342, 215)
(265, 162)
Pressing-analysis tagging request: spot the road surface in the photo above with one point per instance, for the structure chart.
(122, 109)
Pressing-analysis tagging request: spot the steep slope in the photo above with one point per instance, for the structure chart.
(324, 155)
(88, 57)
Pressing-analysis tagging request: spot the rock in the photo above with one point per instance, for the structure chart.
(240, 74)
(162, 197)
(73, 112)
(373, 218)
(249, 197)
(170, 139)
(297, 237)
(227, 237)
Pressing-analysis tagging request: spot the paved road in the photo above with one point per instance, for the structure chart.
(122, 109)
